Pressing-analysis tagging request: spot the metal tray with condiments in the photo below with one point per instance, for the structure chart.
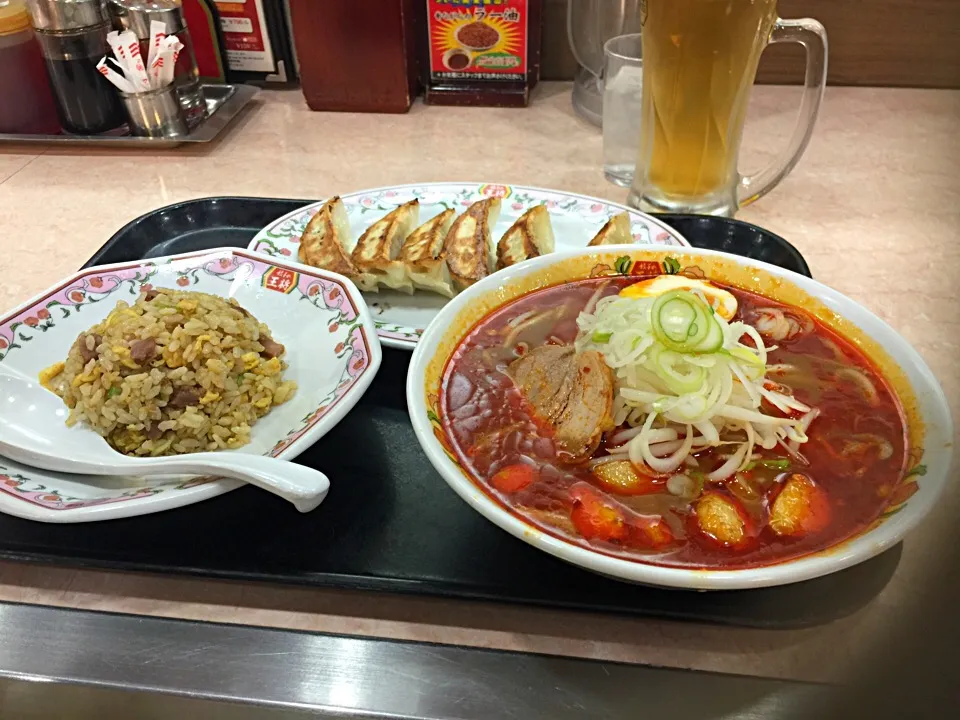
(390, 522)
(224, 103)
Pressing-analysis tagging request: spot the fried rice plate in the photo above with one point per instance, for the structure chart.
(176, 372)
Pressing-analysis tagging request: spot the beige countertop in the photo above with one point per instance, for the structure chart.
(874, 206)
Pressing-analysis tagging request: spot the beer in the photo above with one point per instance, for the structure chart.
(699, 62)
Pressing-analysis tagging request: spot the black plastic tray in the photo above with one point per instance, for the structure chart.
(390, 522)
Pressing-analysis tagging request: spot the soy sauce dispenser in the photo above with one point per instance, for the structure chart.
(73, 39)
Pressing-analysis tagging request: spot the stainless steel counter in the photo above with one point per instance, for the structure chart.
(68, 664)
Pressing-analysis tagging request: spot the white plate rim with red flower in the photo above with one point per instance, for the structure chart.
(401, 318)
(332, 353)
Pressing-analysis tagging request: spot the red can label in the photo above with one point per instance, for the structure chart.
(478, 39)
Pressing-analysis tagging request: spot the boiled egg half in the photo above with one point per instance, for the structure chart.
(722, 301)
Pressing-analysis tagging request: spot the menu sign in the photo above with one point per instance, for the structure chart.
(478, 39)
(245, 36)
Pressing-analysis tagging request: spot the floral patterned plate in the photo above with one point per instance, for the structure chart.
(401, 318)
(332, 351)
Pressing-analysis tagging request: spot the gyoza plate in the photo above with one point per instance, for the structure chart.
(401, 318)
(332, 352)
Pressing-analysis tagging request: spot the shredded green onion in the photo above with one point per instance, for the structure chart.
(680, 363)
(779, 464)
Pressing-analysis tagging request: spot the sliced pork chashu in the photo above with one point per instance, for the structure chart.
(529, 237)
(377, 249)
(469, 243)
(424, 257)
(589, 411)
(571, 391)
(324, 244)
(544, 377)
(615, 232)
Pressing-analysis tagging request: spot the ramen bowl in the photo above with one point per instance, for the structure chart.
(918, 445)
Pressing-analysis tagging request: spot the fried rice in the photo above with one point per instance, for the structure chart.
(176, 372)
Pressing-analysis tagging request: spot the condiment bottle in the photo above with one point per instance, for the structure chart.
(482, 52)
(26, 105)
(136, 16)
(73, 39)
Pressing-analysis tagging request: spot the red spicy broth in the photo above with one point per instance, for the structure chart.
(856, 452)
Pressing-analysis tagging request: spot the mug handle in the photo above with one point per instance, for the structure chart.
(813, 36)
(595, 68)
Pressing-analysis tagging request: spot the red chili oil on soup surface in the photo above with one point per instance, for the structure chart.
(856, 451)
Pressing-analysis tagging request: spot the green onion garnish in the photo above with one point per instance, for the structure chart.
(781, 464)
(684, 323)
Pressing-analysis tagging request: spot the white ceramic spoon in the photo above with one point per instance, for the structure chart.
(33, 432)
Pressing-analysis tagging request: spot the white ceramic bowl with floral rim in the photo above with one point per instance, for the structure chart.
(400, 317)
(928, 416)
(332, 351)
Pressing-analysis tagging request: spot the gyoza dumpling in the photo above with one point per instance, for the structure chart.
(377, 249)
(469, 243)
(424, 256)
(615, 232)
(530, 236)
(323, 244)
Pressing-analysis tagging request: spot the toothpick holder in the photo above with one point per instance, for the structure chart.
(155, 113)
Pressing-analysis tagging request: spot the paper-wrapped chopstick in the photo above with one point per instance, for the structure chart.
(122, 84)
(163, 65)
(157, 35)
(134, 77)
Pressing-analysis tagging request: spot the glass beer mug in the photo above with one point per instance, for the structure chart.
(699, 62)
